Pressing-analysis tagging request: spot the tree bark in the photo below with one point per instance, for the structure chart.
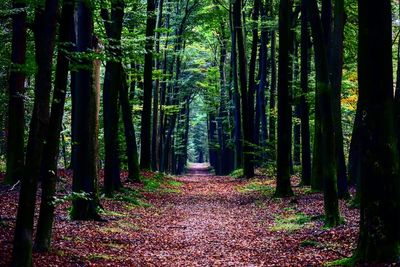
(283, 187)
(145, 133)
(324, 94)
(44, 30)
(85, 120)
(304, 107)
(16, 110)
(379, 214)
(111, 87)
(51, 148)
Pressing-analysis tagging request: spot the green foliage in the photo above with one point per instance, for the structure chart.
(132, 197)
(238, 173)
(291, 223)
(309, 243)
(71, 197)
(342, 262)
(257, 186)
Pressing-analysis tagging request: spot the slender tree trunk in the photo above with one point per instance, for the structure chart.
(324, 94)
(16, 110)
(145, 133)
(130, 136)
(272, 98)
(51, 148)
(111, 87)
(336, 81)
(304, 108)
(379, 214)
(44, 29)
(236, 99)
(261, 131)
(283, 187)
(154, 135)
(247, 96)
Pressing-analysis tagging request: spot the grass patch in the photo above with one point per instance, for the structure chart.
(99, 256)
(258, 187)
(238, 173)
(174, 183)
(309, 243)
(291, 223)
(132, 197)
(342, 262)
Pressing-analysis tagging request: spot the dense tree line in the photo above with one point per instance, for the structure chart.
(244, 85)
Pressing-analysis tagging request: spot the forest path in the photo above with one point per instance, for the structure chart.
(210, 223)
(196, 219)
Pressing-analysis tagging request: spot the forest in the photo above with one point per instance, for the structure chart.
(199, 133)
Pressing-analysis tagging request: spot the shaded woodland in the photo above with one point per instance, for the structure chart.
(123, 100)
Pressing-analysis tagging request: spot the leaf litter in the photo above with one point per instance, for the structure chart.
(192, 220)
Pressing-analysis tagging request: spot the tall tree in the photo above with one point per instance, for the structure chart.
(112, 85)
(379, 234)
(156, 91)
(246, 95)
(237, 124)
(304, 107)
(336, 63)
(85, 97)
(44, 30)
(16, 111)
(51, 148)
(283, 187)
(145, 133)
(324, 101)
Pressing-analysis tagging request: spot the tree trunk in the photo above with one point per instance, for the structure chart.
(272, 98)
(154, 136)
(283, 187)
(130, 136)
(336, 81)
(324, 94)
(304, 108)
(44, 29)
(85, 120)
(51, 148)
(379, 215)
(112, 84)
(236, 99)
(145, 133)
(16, 110)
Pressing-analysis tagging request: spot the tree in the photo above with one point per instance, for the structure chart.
(145, 133)
(379, 234)
(327, 152)
(112, 84)
(85, 97)
(44, 30)
(16, 111)
(283, 187)
(51, 148)
(304, 107)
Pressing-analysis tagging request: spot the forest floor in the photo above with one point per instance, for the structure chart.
(192, 220)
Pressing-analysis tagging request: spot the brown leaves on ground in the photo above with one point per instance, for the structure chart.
(201, 220)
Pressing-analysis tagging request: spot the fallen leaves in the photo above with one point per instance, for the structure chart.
(192, 220)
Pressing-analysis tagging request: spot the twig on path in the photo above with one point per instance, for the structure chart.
(17, 183)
